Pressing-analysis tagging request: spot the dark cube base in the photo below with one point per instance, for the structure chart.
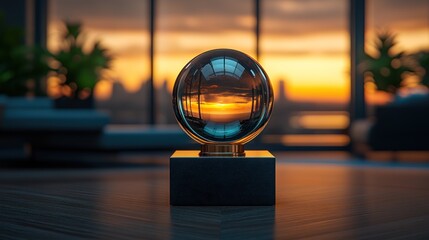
(222, 181)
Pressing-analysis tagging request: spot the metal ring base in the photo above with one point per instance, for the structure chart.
(234, 150)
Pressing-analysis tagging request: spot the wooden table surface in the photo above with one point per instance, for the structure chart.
(315, 201)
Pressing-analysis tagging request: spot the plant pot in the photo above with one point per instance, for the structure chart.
(74, 103)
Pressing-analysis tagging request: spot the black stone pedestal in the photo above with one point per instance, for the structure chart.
(222, 181)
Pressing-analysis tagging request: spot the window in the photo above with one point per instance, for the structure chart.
(304, 47)
(305, 50)
(122, 27)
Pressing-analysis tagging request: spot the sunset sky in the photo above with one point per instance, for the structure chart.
(304, 43)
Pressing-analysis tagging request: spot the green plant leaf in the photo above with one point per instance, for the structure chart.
(82, 69)
(386, 68)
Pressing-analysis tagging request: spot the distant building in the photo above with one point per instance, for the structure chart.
(125, 107)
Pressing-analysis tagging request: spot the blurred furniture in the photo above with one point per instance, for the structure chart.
(27, 103)
(29, 127)
(116, 138)
(14, 146)
(400, 126)
(26, 123)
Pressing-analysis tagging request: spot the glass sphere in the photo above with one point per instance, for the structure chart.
(222, 96)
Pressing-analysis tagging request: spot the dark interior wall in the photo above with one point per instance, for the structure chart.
(14, 12)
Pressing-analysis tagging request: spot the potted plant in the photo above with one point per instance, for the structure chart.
(402, 124)
(22, 71)
(79, 70)
(21, 67)
(386, 68)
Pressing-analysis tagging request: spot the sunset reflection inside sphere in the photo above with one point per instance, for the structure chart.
(222, 96)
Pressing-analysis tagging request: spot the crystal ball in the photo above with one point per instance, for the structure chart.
(222, 96)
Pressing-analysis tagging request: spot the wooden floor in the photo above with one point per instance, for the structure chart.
(314, 201)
